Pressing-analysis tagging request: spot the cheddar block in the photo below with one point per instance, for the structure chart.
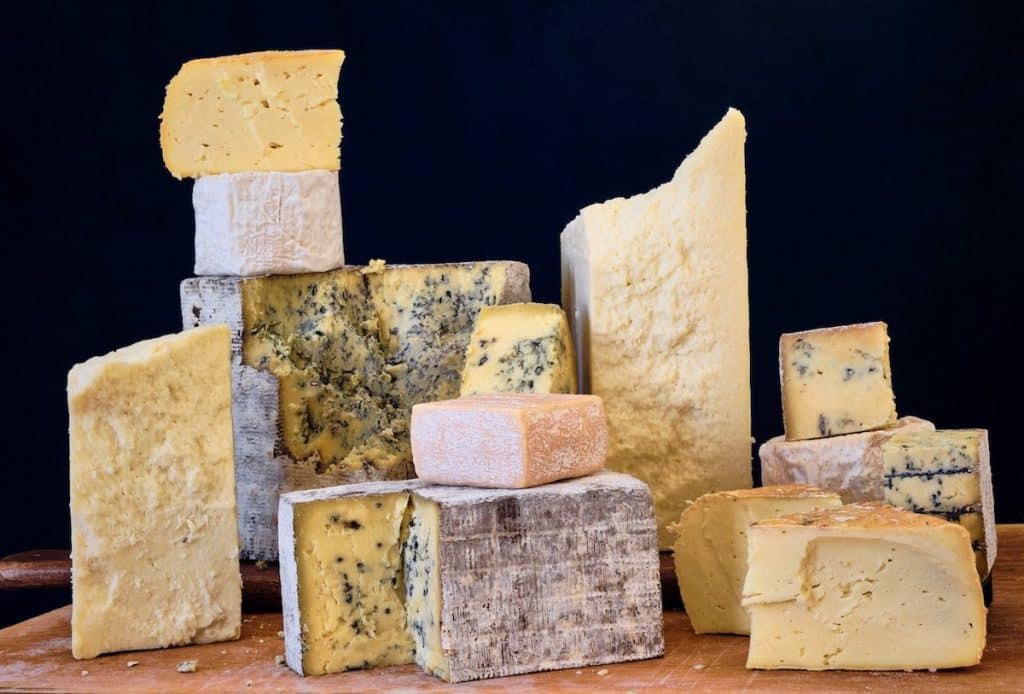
(509, 440)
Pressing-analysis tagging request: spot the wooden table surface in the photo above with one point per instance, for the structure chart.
(35, 656)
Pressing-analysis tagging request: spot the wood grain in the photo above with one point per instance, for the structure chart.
(36, 655)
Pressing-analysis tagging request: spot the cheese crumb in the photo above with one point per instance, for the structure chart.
(280, 634)
(602, 672)
(698, 666)
(279, 659)
(85, 673)
(132, 663)
(374, 267)
(223, 652)
(188, 666)
(261, 564)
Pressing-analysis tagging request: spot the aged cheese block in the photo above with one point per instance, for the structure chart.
(945, 473)
(836, 381)
(850, 464)
(862, 587)
(655, 287)
(271, 111)
(153, 531)
(509, 440)
(520, 348)
(327, 367)
(711, 549)
(268, 223)
(492, 582)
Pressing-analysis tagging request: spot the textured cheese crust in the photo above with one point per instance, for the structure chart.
(268, 223)
(656, 290)
(509, 440)
(270, 111)
(153, 521)
(850, 464)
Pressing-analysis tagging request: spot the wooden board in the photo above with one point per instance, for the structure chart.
(36, 655)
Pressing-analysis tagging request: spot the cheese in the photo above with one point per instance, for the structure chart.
(711, 549)
(862, 587)
(271, 111)
(655, 287)
(946, 473)
(268, 223)
(520, 348)
(493, 582)
(327, 367)
(509, 440)
(850, 464)
(153, 529)
(836, 381)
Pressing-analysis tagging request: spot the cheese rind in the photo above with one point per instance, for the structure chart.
(710, 552)
(655, 287)
(268, 223)
(269, 111)
(153, 518)
(862, 587)
(520, 348)
(509, 440)
(850, 464)
(836, 381)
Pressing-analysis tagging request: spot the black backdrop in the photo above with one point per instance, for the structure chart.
(883, 161)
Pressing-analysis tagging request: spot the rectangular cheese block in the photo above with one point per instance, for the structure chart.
(520, 348)
(509, 440)
(850, 464)
(711, 549)
(946, 473)
(327, 367)
(655, 287)
(154, 538)
(268, 223)
(836, 381)
(270, 111)
(490, 583)
(862, 587)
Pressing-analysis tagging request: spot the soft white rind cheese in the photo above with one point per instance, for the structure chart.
(268, 223)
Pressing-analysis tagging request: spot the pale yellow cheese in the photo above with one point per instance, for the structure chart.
(424, 600)
(270, 111)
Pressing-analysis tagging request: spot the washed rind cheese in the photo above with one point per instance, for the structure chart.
(509, 440)
(862, 587)
(268, 223)
(946, 473)
(850, 464)
(153, 518)
(505, 582)
(327, 367)
(655, 287)
(269, 111)
(836, 381)
(711, 549)
(520, 348)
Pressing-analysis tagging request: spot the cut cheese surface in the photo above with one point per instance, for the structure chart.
(711, 549)
(153, 521)
(655, 287)
(836, 381)
(862, 587)
(268, 223)
(520, 348)
(270, 111)
(509, 440)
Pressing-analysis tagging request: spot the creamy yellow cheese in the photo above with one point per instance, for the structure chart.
(270, 111)
(711, 549)
(836, 381)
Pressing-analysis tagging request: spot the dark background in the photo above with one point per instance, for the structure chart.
(883, 163)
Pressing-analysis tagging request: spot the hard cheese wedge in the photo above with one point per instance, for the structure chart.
(862, 587)
(520, 348)
(711, 549)
(509, 440)
(327, 367)
(153, 529)
(850, 464)
(836, 381)
(271, 111)
(491, 582)
(268, 223)
(655, 287)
